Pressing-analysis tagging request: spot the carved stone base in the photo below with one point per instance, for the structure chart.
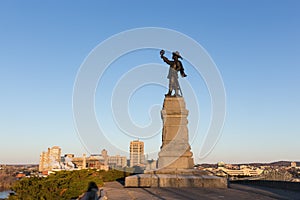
(175, 180)
(175, 151)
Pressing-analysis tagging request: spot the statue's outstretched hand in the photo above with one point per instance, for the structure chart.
(162, 52)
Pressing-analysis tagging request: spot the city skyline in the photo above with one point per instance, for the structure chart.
(255, 46)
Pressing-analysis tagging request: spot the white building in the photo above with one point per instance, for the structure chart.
(137, 157)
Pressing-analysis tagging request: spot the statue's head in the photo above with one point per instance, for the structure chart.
(176, 55)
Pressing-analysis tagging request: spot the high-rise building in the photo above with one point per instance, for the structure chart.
(104, 156)
(55, 153)
(50, 159)
(43, 166)
(136, 150)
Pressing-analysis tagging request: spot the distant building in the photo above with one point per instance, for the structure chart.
(117, 161)
(50, 159)
(137, 157)
(69, 155)
(104, 156)
(66, 162)
(151, 164)
(293, 164)
(245, 171)
(20, 175)
(91, 162)
(43, 165)
(55, 153)
(221, 164)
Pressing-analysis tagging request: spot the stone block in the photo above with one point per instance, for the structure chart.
(175, 180)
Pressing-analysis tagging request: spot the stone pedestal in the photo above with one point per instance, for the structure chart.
(175, 162)
(175, 152)
(176, 178)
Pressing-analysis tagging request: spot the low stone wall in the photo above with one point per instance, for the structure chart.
(295, 186)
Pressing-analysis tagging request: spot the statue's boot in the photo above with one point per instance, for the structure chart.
(169, 93)
(177, 93)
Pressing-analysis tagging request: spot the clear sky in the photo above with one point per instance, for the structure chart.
(254, 44)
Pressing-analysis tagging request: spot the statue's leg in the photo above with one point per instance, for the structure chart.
(177, 87)
(170, 88)
(177, 93)
(172, 85)
(169, 93)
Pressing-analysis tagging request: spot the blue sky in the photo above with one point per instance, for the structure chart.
(255, 45)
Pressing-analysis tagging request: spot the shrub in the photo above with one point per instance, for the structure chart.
(63, 184)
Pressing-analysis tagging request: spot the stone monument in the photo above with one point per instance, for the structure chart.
(175, 162)
(175, 151)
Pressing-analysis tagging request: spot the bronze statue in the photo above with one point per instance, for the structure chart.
(175, 67)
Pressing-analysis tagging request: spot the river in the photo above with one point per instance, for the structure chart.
(4, 194)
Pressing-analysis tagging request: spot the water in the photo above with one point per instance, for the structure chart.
(4, 194)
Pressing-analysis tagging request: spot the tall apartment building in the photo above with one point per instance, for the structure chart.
(50, 159)
(136, 150)
(55, 153)
(43, 165)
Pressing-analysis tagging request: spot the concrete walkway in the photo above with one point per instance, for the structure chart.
(116, 191)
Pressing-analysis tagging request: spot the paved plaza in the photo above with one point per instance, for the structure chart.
(116, 191)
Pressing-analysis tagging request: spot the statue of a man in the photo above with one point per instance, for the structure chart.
(175, 67)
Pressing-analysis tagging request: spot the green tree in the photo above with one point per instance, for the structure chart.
(62, 185)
